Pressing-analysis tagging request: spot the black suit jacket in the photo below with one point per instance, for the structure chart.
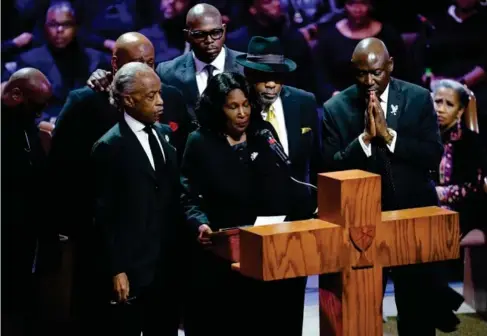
(221, 189)
(86, 116)
(25, 226)
(180, 72)
(87, 60)
(418, 146)
(303, 133)
(137, 210)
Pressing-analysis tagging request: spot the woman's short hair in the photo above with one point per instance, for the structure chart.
(461, 91)
(209, 109)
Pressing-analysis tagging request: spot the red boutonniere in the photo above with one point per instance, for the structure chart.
(174, 126)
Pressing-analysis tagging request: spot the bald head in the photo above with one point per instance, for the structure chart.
(202, 13)
(28, 83)
(27, 88)
(205, 32)
(373, 65)
(132, 47)
(370, 49)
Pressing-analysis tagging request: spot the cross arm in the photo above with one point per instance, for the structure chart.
(417, 235)
(289, 250)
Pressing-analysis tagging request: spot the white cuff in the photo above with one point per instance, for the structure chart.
(366, 148)
(392, 145)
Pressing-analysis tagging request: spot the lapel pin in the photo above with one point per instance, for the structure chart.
(253, 156)
(394, 109)
(166, 137)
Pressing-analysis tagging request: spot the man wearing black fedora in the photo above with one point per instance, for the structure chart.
(293, 115)
(292, 112)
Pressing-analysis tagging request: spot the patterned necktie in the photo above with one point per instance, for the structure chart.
(271, 117)
(209, 70)
(155, 149)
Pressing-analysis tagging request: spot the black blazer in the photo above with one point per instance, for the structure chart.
(418, 147)
(180, 72)
(221, 190)
(25, 225)
(303, 133)
(137, 211)
(86, 116)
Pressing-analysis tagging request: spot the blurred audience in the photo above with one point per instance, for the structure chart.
(64, 61)
(337, 40)
(268, 19)
(456, 49)
(167, 33)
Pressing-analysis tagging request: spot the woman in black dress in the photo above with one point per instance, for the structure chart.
(230, 177)
(461, 177)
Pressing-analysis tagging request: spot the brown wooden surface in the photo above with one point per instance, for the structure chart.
(289, 250)
(350, 303)
(349, 243)
(226, 244)
(418, 236)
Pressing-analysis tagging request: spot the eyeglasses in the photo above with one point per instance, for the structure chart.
(57, 25)
(215, 34)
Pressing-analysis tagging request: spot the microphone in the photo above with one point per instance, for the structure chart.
(275, 146)
(426, 22)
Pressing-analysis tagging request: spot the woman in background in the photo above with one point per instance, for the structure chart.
(463, 168)
(230, 177)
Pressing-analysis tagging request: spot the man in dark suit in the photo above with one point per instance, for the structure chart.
(293, 115)
(25, 236)
(86, 116)
(190, 72)
(387, 126)
(62, 59)
(137, 211)
(292, 112)
(205, 32)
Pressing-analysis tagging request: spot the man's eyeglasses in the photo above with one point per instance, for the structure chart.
(57, 25)
(215, 34)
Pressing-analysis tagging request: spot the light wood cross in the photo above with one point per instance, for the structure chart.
(353, 239)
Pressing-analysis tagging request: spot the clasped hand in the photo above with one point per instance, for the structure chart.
(375, 121)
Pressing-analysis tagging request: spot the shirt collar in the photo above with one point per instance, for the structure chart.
(135, 125)
(385, 95)
(218, 62)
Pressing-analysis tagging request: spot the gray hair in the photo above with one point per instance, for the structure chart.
(124, 82)
(461, 91)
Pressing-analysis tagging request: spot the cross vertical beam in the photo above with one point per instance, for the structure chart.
(350, 301)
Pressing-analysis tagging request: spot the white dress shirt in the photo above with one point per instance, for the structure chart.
(202, 75)
(138, 128)
(281, 121)
(383, 104)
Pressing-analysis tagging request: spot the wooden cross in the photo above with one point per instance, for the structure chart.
(353, 239)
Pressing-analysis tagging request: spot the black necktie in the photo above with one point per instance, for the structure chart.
(385, 170)
(209, 69)
(155, 149)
